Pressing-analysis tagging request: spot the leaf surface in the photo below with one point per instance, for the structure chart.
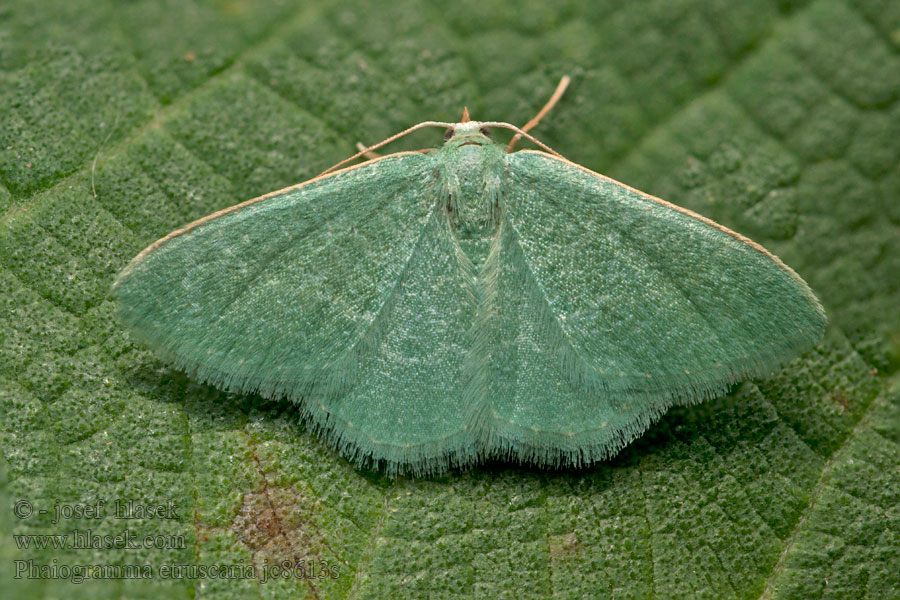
(777, 119)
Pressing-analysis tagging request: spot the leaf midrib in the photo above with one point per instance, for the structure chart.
(821, 485)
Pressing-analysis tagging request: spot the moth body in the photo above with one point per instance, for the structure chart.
(470, 182)
(471, 167)
(433, 309)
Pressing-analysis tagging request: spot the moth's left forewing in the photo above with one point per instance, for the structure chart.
(656, 298)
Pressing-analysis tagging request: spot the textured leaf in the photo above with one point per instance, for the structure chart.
(777, 119)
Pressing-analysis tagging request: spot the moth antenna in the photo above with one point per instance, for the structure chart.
(385, 141)
(521, 133)
(557, 94)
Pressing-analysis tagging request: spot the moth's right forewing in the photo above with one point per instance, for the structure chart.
(266, 297)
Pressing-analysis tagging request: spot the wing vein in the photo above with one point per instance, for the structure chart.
(544, 303)
(374, 328)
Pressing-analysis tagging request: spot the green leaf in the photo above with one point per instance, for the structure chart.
(122, 122)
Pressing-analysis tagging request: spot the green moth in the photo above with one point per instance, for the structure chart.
(431, 309)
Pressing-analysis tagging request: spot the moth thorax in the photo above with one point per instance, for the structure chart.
(473, 200)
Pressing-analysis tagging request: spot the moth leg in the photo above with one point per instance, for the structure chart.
(371, 155)
(557, 94)
(366, 152)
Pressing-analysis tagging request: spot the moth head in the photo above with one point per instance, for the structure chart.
(468, 132)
